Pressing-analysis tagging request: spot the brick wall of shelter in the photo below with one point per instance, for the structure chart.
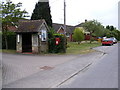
(35, 43)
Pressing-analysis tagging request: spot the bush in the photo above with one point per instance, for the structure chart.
(11, 39)
(92, 39)
(53, 48)
(78, 35)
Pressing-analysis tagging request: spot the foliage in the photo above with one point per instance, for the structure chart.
(93, 26)
(78, 35)
(92, 39)
(51, 33)
(111, 31)
(116, 34)
(53, 48)
(118, 38)
(93, 35)
(42, 11)
(111, 28)
(10, 15)
(11, 12)
(108, 35)
(11, 40)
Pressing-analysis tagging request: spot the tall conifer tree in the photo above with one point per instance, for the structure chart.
(42, 11)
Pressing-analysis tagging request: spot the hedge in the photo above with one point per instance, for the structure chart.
(11, 40)
(53, 48)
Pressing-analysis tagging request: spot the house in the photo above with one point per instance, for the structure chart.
(32, 36)
(59, 28)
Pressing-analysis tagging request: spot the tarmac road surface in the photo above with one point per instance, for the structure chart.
(102, 74)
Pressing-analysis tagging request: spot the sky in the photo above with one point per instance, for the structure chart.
(104, 11)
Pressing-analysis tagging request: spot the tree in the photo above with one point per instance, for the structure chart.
(78, 35)
(94, 27)
(111, 28)
(118, 38)
(112, 32)
(10, 15)
(42, 11)
(107, 27)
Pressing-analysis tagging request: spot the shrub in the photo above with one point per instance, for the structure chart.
(78, 35)
(11, 39)
(53, 48)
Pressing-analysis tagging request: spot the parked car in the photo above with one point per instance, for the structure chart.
(107, 41)
(114, 40)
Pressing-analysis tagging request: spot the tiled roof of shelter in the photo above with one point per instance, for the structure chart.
(30, 25)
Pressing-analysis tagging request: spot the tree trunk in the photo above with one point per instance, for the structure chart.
(5, 36)
(79, 42)
(90, 37)
(6, 43)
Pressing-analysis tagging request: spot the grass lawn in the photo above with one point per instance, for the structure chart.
(83, 48)
(7, 51)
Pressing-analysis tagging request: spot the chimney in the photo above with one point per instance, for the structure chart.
(85, 20)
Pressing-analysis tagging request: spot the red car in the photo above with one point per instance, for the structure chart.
(107, 42)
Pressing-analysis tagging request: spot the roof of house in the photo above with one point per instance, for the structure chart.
(79, 25)
(69, 29)
(56, 26)
(12, 28)
(30, 25)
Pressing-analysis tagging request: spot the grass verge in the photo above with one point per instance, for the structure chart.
(8, 51)
(73, 48)
(83, 48)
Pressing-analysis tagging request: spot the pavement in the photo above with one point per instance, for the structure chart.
(17, 66)
(29, 71)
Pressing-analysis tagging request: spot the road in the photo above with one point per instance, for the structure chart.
(102, 74)
(26, 71)
(119, 65)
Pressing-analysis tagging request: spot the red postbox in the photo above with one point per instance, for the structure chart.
(57, 40)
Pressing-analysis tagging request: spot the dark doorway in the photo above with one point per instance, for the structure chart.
(27, 42)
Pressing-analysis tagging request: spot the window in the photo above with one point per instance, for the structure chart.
(18, 38)
(43, 35)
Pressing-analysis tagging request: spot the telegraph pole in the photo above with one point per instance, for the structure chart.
(65, 17)
(65, 41)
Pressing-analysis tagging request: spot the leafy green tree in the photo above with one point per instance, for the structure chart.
(107, 27)
(111, 31)
(94, 27)
(10, 15)
(118, 38)
(106, 31)
(42, 11)
(78, 35)
(111, 28)
(108, 35)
